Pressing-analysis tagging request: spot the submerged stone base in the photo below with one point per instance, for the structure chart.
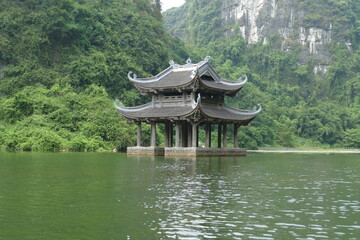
(146, 151)
(186, 151)
(204, 152)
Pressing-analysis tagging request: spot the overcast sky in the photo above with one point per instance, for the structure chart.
(166, 4)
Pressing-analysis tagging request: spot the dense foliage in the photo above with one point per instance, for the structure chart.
(63, 62)
(301, 109)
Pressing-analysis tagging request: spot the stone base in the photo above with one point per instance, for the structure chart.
(186, 151)
(146, 151)
(204, 152)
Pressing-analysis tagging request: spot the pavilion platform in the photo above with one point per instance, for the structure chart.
(186, 151)
(146, 151)
(203, 152)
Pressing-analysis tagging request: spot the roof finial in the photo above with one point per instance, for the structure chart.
(172, 63)
(245, 78)
(116, 104)
(207, 58)
(132, 78)
(188, 61)
(258, 108)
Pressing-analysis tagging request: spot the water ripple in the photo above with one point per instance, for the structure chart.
(244, 203)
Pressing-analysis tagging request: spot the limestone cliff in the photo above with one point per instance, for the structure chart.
(257, 20)
(295, 21)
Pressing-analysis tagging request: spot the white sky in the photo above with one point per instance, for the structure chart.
(166, 4)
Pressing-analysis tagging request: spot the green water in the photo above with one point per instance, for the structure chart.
(111, 196)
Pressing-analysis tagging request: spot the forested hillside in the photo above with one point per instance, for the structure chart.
(300, 108)
(62, 64)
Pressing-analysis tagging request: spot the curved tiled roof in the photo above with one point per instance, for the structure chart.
(182, 76)
(215, 112)
(149, 111)
(172, 79)
(228, 113)
(222, 85)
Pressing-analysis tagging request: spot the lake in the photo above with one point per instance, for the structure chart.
(111, 196)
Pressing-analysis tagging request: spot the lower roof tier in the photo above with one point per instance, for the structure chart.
(197, 112)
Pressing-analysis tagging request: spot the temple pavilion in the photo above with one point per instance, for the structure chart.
(185, 97)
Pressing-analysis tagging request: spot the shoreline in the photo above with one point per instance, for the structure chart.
(301, 151)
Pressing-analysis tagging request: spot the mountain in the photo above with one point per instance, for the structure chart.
(302, 58)
(313, 25)
(63, 62)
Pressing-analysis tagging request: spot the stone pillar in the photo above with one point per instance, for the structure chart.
(138, 134)
(167, 135)
(236, 129)
(194, 135)
(189, 134)
(208, 135)
(225, 136)
(184, 137)
(177, 134)
(219, 135)
(153, 134)
(197, 136)
(171, 143)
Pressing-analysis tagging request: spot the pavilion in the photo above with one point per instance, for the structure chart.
(184, 97)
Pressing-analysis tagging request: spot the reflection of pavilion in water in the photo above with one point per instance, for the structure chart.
(192, 198)
(185, 97)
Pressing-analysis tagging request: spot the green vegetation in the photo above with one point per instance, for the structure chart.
(301, 109)
(62, 64)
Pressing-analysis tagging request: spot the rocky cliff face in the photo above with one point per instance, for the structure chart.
(259, 20)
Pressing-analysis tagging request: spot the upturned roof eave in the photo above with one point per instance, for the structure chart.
(176, 112)
(135, 80)
(234, 115)
(146, 89)
(222, 83)
(230, 91)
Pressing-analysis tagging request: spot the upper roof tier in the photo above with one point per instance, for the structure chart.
(187, 77)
